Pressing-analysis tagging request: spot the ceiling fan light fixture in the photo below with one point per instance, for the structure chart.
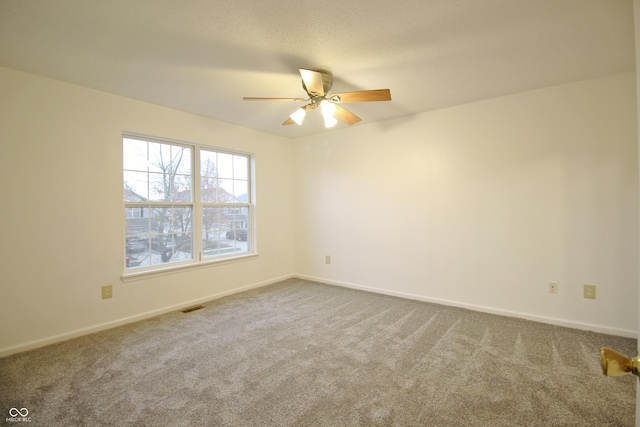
(330, 121)
(317, 84)
(298, 116)
(328, 108)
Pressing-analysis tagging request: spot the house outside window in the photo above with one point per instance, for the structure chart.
(184, 203)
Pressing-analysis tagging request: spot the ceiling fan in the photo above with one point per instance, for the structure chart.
(317, 84)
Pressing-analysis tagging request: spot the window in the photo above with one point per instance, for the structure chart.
(224, 195)
(184, 204)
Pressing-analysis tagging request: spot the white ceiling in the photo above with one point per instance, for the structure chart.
(203, 56)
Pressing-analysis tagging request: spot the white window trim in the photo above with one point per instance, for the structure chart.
(178, 268)
(198, 262)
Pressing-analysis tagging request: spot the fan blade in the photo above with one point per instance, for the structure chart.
(312, 82)
(250, 98)
(345, 115)
(362, 96)
(289, 121)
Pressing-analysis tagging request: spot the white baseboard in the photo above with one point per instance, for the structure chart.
(542, 319)
(108, 325)
(115, 323)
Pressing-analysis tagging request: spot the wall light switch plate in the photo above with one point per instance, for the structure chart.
(590, 291)
(107, 291)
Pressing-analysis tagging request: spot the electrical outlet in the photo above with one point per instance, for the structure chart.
(107, 291)
(553, 287)
(590, 291)
(327, 259)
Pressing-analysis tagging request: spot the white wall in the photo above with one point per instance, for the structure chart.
(483, 204)
(62, 211)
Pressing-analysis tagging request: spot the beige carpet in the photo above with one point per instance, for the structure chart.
(299, 353)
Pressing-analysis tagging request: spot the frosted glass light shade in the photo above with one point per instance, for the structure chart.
(328, 108)
(298, 116)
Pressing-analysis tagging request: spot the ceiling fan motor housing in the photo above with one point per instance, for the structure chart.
(327, 84)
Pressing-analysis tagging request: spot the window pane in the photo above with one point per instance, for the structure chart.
(136, 186)
(168, 248)
(182, 218)
(244, 216)
(240, 189)
(161, 220)
(211, 231)
(225, 192)
(225, 231)
(161, 249)
(210, 219)
(169, 187)
(137, 221)
(181, 159)
(241, 167)
(208, 189)
(181, 189)
(208, 164)
(159, 187)
(138, 251)
(137, 241)
(159, 235)
(225, 165)
(183, 250)
(237, 235)
(156, 160)
(134, 155)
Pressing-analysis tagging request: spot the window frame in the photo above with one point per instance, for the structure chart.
(198, 260)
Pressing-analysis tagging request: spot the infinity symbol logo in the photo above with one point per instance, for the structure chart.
(14, 412)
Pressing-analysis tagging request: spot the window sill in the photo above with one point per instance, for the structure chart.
(149, 274)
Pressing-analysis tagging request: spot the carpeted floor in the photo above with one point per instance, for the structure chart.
(300, 353)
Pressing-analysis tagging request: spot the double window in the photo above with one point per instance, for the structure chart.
(184, 204)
